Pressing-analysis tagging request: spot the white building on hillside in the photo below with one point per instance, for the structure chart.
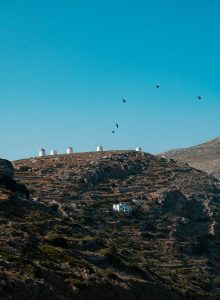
(123, 208)
(42, 152)
(53, 152)
(69, 150)
(138, 149)
(99, 148)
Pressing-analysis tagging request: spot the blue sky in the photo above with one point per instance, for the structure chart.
(66, 65)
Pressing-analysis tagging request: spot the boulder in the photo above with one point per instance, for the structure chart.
(6, 178)
(6, 169)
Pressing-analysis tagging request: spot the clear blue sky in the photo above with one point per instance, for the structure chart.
(66, 65)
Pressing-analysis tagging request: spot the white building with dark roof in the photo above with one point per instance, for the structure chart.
(69, 150)
(99, 148)
(123, 208)
(42, 152)
(53, 152)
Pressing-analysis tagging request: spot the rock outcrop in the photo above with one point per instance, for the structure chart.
(6, 179)
(6, 169)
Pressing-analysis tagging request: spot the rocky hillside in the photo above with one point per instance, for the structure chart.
(65, 242)
(205, 157)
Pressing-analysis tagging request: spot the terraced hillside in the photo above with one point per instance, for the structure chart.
(205, 157)
(65, 242)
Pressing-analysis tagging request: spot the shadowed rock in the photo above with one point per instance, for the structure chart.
(7, 181)
(6, 169)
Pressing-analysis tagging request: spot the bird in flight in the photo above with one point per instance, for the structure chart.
(157, 86)
(199, 98)
(123, 100)
(113, 131)
(117, 125)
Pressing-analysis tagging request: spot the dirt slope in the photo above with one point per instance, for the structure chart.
(65, 242)
(205, 157)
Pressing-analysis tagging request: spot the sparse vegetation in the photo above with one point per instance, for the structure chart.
(69, 241)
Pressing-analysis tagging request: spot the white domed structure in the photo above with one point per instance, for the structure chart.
(138, 149)
(69, 150)
(42, 152)
(99, 148)
(53, 152)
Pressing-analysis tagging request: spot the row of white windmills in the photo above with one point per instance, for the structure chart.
(42, 151)
(69, 150)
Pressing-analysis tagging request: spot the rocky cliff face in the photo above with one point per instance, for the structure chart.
(205, 157)
(65, 242)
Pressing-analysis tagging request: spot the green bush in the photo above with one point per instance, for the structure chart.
(104, 252)
(58, 255)
(30, 269)
(216, 280)
(56, 240)
(8, 255)
(73, 281)
(54, 253)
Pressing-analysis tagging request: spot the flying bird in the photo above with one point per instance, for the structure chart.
(157, 86)
(199, 98)
(113, 131)
(117, 125)
(123, 100)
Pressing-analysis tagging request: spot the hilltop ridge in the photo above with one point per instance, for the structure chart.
(205, 156)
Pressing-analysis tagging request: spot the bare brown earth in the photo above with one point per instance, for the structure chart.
(65, 242)
(205, 157)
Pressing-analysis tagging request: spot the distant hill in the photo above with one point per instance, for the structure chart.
(205, 157)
